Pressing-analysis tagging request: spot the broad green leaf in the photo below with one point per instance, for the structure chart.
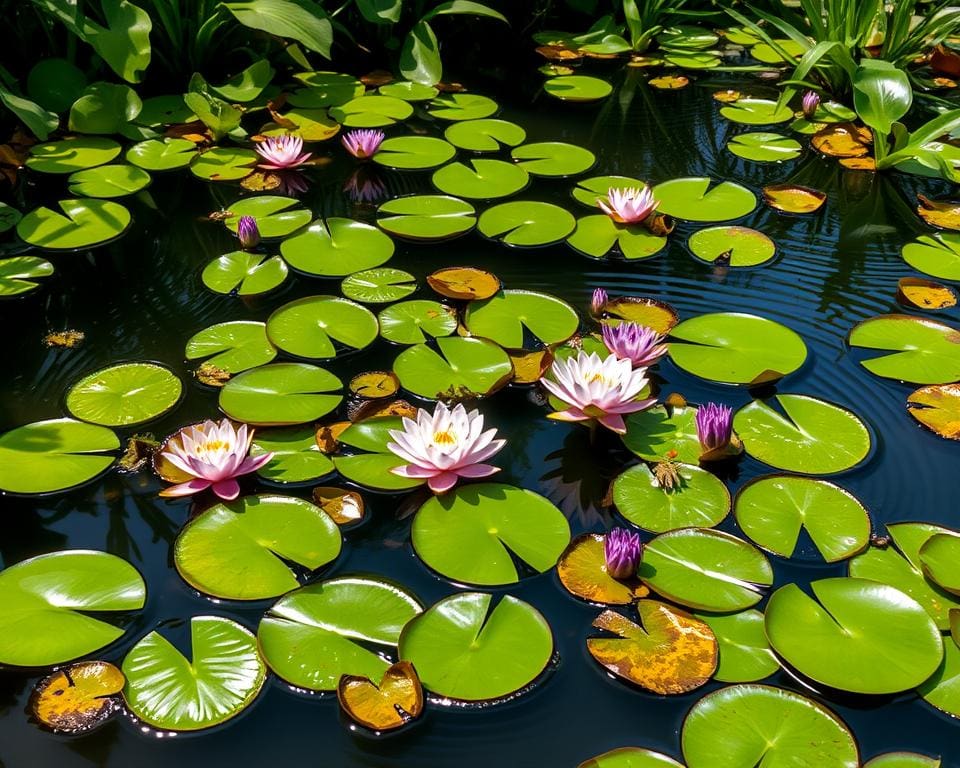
(881, 94)
(309, 327)
(335, 247)
(458, 368)
(281, 393)
(124, 394)
(745, 654)
(104, 108)
(699, 500)
(84, 223)
(18, 274)
(698, 199)
(526, 224)
(243, 272)
(218, 115)
(296, 455)
(248, 84)
(117, 180)
(299, 20)
(738, 246)
(233, 347)
(511, 315)
(420, 56)
(922, 351)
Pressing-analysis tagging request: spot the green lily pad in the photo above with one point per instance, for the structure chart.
(371, 112)
(553, 159)
(759, 725)
(408, 91)
(413, 322)
(280, 393)
(69, 155)
(744, 247)
(630, 757)
(597, 236)
(53, 455)
(426, 217)
(233, 347)
(485, 135)
(694, 199)
(736, 348)
(464, 650)
(276, 216)
(687, 38)
(937, 255)
(161, 154)
(938, 555)
(903, 760)
(309, 327)
(414, 152)
(244, 273)
(764, 147)
(221, 678)
(494, 522)
(588, 191)
(507, 316)
(373, 470)
(124, 395)
(856, 635)
(655, 432)
(296, 455)
(693, 60)
(769, 55)
(44, 603)
(462, 106)
(240, 550)
(224, 164)
(525, 223)
(923, 351)
(459, 367)
(700, 500)
(756, 112)
(84, 223)
(814, 436)
(165, 110)
(9, 216)
(317, 633)
(577, 88)
(336, 247)
(745, 653)
(326, 89)
(308, 124)
(480, 179)
(104, 108)
(379, 285)
(18, 274)
(772, 510)
(942, 689)
(706, 570)
(108, 181)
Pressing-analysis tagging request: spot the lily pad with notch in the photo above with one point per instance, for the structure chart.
(77, 698)
(244, 273)
(310, 327)
(234, 346)
(923, 351)
(327, 89)
(745, 653)
(458, 368)
(427, 217)
(413, 322)
(582, 571)
(378, 285)
(371, 112)
(124, 395)
(937, 407)
(18, 274)
(161, 154)
(106, 181)
(939, 558)
(391, 702)
(462, 106)
(589, 191)
(296, 456)
(414, 153)
(597, 236)
(464, 283)
(698, 199)
(510, 314)
(577, 88)
(308, 124)
(630, 757)
(937, 255)
(733, 246)
(765, 147)
(526, 223)
(336, 247)
(408, 91)
(69, 155)
(480, 179)
(654, 433)
(484, 135)
(553, 159)
(224, 164)
(643, 310)
(757, 112)
(276, 215)
(942, 689)
(700, 499)
(84, 223)
(281, 393)
(372, 468)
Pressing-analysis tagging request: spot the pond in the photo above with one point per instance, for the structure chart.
(537, 692)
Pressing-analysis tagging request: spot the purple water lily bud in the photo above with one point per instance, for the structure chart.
(714, 426)
(637, 343)
(811, 100)
(363, 144)
(598, 302)
(248, 232)
(621, 551)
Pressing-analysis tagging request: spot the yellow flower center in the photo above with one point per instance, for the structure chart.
(211, 445)
(444, 438)
(597, 377)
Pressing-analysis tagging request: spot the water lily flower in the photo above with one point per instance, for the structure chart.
(282, 152)
(363, 144)
(444, 446)
(595, 389)
(215, 455)
(598, 302)
(629, 206)
(637, 343)
(715, 432)
(248, 232)
(621, 552)
(809, 104)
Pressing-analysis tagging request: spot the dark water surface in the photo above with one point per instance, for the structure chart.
(141, 298)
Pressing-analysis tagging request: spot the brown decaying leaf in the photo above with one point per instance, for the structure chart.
(937, 407)
(793, 198)
(328, 436)
(670, 82)
(69, 339)
(211, 375)
(652, 313)
(344, 507)
(196, 132)
(660, 224)
(396, 701)
(139, 450)
(944, 214)
(374, 385)
(261, 181)
(77, 698)
(676, 400)
(945, 61)
(466, 283)
(376, 78)
(842, 140)
(358, 410)
(450, 87)
(925, 294)
(865, 163)
(944, 82)
(728, 96)
(672, 652)
(529, 367)
(558, 53)
(642, 62)
(582, 571)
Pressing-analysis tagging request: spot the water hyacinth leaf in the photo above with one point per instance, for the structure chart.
(577, 88)
(308, 124)
(697, 199)
(408, 91)
(734, 246)
(597, 236)
(77, 698)
(936, 407)
(84, 223)
(923, 351)
(481, 179)
(918, 293)
(221, 678)
(379, 285)
(630, 757)
(336, 247)
(390, 703)
(276, 216)
(309, 327)
(937, 255)
(462, 106)
(464, 650)
(240, 550)
(553, 159)
(326, 89)
(280, 394)
(773, 510)
(589, 191)
(413, 322)
(758, 725)
(903, 760)
(69, 155)
(244, 273)
(458, 368)
(53, 455)
(484, 135)
(670, 652)
(414, 152)
(234, 346)
(316, 634)
(161, 154)
(856, 635)
(494, 522)
(736, 348)
(526, 224)
(104, 108)
(699, 500)
(247, 84)
(745, 653)
(371, 112)
(812, 436)
(124, 395)
(656, 432)
(583, 573)
(464, 283)
(45, 601)
(108, 181)
(507, 316)
(643, 310)
(793, 198)
(756, 112)
(303, 22)
(706, 570)
(296, 456)
(764, 147)
(426, 217)
(18, 274)
(224, 164)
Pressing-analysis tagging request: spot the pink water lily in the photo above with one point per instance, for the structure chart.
(629, 206)
(598, 302)
(444, 446)
(363, 144)
(282, 152)
(641, 345)
(215, 455)
(809, 104)
(603, 390)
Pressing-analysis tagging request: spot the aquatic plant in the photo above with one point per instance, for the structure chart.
(809, 104)
(248, 233)
(714, 426)
(632, 205)
(364, 143)
(621, 553)
(641, 345)
(282, 152)
(598, 301)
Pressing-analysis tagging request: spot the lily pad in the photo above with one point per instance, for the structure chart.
(942, 689)
(764, 147)
(699, 500)
(373, 470)
(526, 223)
(577, 88)
(413, 322)
(918, 293)
(923, 351)
(243, 273)
(280, 393)
(793, 198)
(69, 155)
(769, 55)
(937, 255)
(698, 199)
(903, 760)
(308, 124)
(756, 112)
(77, 698)
(745, 653)
(414, 152)
(735, 246)
(938, 555)
(224, 164)
(408, 91)
(309, 327)
(391, 702)
(371, 112)
(494, 522)
(484, 135)
(462, 106)
(458, 368)
(596, 236)
(18, 274)
(85, 222)
(481, 179)
(936, 407)
(705, 60)
(336, 247)
(583, 572)
(630, 757)
(379, 285)
(506, 317)
(108, 181)
(426, 217)
(327, 89)
(276, 215)
(233, 347)
(124, 395)
(9, 216)
(161, 154)
(296, 456)
(589, 191)
(643, 310)
(464, 283)
(553, 159)
(656, 432)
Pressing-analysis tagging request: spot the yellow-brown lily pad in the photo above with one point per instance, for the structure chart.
(78, 697)
(842, 140)
(652, 313)
(466, 283)
(529, 366)
(670, 82)
(374, 385)
(583, 573)
(865, 163)
(728, 96)
(925, 294)
(394, 702)
(344, 507)
(793, 198)
(943, 214)
(937, 407)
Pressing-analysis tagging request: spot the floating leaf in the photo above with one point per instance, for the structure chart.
(792, 198)
(526, 223)
(923, 351)
(69, 155)
(924, 294)
(393, 702)
(938, 408)
(371, 112)
(414, 152)
(745, 654)
(598, 235)
(77, 698)
(757, 112)
(663, 431)
(379, 285)
(764, 147)
(461, 106)
(427, 217)
(413, 322)
(224, 164)
(84, 223)
(296, 456)
(769, 54)
(508, 315)
(374, 385)
(694, 199)
(943, 214)
(408, 91)
(464, 283)
(344, 507)
(108, 181)
(842, 140)
(309, 327)
(244, 273)
(942, 689)
(938, 555)
(937, 255)
(233, 347)
(903, 760)
(669, 82)
(308, 124)
(484, 135)
(124, 395)
(582, 571)
(652, 313)
(553, 159)
(373, 470)
(326, 89)
(280, 393)
(734, 246)
(589, 191)
(630, 757)
(578, 88)
(699, 500)
(336, 247)
(17, 274)
(276, 215)
(481, 179)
